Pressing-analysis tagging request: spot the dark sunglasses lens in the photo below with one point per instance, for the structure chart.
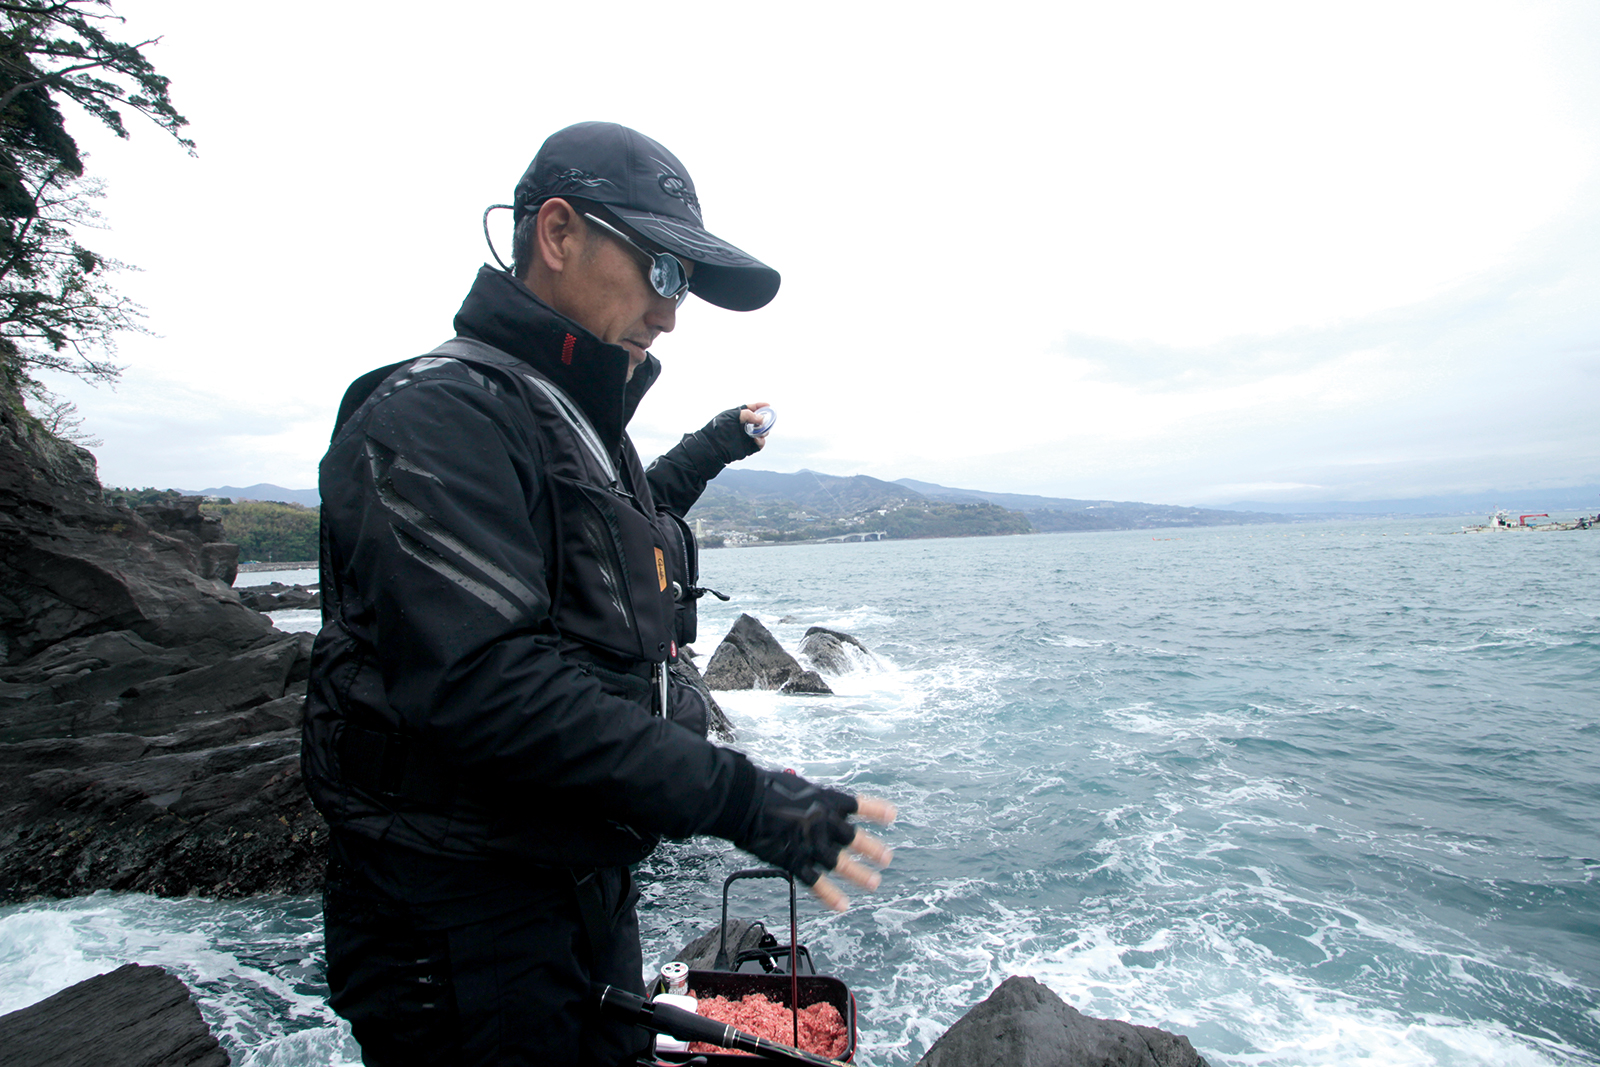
(666, 276)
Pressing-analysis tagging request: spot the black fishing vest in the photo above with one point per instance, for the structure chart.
(620, 572)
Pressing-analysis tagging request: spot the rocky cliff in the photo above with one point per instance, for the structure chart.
(148, 719)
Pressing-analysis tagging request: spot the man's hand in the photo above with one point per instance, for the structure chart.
(750, 417)
(805, 829)
(865, 845)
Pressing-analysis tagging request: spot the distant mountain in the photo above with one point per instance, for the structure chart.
(261, 491)
(745, 505)
(827, 495)
(1051, 513)
(1580, 498)
(1015, 501)
(809, 503)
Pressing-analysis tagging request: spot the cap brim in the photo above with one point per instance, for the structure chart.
(723, 275)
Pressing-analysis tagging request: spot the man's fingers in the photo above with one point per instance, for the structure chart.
(875, 810)
(829, 894)
(868, 847)
(859, 873)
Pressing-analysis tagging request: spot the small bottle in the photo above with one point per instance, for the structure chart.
(675, 976)
(768, 416)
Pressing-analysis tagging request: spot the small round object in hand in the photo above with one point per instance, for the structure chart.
(759, 429)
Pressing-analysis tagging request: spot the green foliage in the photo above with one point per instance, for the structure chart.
(57, 309)
(950, 520)
(265, 531)
(133, 498)
(269, 532)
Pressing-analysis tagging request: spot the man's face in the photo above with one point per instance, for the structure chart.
(606, 291)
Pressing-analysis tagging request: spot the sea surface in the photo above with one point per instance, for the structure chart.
(1310, 794)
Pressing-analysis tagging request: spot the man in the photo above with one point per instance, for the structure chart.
(492, 731)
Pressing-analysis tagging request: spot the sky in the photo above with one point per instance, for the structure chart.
(1173, 252)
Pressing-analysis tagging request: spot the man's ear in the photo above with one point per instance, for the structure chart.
(557, 236)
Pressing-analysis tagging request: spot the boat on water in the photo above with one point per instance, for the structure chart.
(1501, 520)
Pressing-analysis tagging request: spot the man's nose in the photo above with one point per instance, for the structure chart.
(663, 313)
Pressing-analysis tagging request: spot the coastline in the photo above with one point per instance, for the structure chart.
(292, 565)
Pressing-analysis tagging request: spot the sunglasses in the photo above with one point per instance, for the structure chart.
(666, 272)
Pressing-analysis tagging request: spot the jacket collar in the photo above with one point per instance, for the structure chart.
(501, 311)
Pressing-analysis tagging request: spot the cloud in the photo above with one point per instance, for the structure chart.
(1149, 250)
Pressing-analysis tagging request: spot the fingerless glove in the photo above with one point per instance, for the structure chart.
(798, 826)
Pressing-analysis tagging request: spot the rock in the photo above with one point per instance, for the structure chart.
(135, 1016)
(807, 682)
(751, 658)
(74, 566)
(126, 766)
(148, 692)
(829, 651)
(179, 517)
(241, 681)
(220, 562)
(1024, 1024)
(215, 807)
(685, 671)
(277, 596)
(149, 721)
(701, 953)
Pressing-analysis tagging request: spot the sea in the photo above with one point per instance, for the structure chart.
(1311, 794)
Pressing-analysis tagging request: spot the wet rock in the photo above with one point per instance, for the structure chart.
(277, 596)
(216, 807)
(742, 936)
(134, 1015)
(805, 682)
(830, 651)
(1024, 1024)
(749, 657)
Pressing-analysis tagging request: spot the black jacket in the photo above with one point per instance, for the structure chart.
(483, 681)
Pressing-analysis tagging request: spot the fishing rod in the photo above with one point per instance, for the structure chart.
(688, 1026)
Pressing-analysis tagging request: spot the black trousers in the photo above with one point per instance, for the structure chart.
(438, 961)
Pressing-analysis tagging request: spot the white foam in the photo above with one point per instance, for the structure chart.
(302, 576)
(297, 620)
(234, 957)
(333, 1046)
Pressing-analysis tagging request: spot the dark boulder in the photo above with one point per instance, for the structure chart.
(742, 936)
(1024, 1024)
(751, 658)
(134, 1016)
(243, 680)
(829, 651)
(807, 682)
(277, 596)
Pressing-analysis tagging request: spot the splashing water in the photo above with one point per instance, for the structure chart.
(1311, 796)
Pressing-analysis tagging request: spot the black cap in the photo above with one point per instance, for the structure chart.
(646, 187)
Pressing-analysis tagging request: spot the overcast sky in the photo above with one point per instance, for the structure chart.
(1175, 252)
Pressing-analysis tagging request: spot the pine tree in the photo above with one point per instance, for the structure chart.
(58, 310)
